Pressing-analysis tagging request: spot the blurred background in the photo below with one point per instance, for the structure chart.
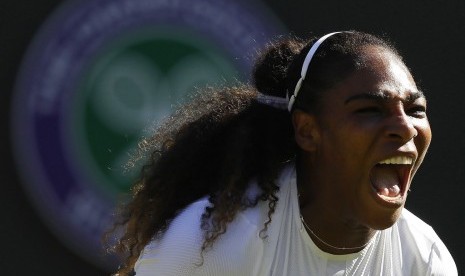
(82, 81)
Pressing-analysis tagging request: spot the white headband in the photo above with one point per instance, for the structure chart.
(307, 60)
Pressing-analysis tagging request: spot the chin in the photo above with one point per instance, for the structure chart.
(385, 219)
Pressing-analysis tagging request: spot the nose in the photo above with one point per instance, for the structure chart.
(401, 127)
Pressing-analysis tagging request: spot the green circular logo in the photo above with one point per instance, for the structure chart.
(133, 84)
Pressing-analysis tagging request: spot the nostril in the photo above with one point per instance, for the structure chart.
(401, 127)
(395, 135)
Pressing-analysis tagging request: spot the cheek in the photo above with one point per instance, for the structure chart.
(425, 134)
(345, 147)
(423, 140)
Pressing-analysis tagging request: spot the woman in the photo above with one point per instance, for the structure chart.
(242, 181)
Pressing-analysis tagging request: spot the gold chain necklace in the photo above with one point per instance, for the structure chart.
(332, 246)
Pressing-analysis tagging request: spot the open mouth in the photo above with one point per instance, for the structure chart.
(389, 178)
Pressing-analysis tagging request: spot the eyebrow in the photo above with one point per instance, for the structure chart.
(383, 95)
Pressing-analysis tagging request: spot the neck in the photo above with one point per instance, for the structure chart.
(335, 237)
(331, 228)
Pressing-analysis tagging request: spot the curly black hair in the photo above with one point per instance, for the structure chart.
(223, 138)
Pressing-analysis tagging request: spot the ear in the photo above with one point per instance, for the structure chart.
(306, 130)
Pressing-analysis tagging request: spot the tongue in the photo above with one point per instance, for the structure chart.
(385, 180)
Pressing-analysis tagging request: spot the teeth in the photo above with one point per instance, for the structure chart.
(403, 160)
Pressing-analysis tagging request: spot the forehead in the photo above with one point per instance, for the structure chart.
(380, 72)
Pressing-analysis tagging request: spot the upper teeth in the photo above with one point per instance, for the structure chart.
(398, 160)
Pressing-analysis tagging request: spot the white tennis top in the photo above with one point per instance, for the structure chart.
(409, 247)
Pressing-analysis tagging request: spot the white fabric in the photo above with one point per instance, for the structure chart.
(409, 247)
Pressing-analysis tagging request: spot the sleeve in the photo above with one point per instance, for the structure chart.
(441, 262)
(178, 252)
(424, 248)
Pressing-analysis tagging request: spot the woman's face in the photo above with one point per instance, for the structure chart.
(372, 136)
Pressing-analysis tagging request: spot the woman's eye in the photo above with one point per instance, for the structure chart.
(417, 111)
(368, 110)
